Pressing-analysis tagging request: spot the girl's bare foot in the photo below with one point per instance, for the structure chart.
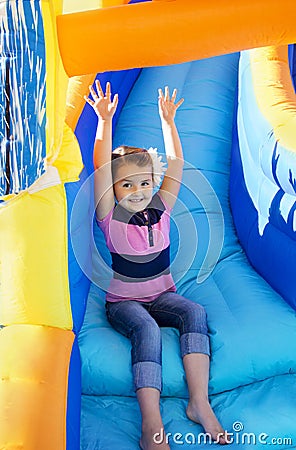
(153, 438)
(202, 413)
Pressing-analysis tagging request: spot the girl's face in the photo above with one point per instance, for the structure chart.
(133, 187)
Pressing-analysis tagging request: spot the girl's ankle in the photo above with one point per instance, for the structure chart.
(199, 399)
(153, 426)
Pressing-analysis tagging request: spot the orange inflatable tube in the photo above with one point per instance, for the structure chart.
(170, 32)
(34, 374)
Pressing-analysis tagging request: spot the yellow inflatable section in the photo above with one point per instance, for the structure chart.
(70, 6)
(275, 92)
(33, 223)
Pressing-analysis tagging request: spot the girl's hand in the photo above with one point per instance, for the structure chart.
(166, 106)
(101, 102)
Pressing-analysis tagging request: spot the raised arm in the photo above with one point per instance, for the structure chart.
(167, 110)
(105, 109)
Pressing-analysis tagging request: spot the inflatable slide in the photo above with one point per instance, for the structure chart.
(65, 373)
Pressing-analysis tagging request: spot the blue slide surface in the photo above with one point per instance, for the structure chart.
(251, 327)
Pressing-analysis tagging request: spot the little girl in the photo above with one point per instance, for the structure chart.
(142, 295)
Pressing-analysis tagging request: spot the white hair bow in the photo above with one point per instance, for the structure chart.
(158, 166)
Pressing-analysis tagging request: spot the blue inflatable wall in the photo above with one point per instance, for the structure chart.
(263, 192)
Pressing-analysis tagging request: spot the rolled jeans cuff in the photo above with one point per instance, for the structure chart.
(147, 374)
(194, 343)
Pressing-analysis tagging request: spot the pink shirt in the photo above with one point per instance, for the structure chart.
(140, 249)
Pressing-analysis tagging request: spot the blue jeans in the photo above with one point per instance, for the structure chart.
(140, 322)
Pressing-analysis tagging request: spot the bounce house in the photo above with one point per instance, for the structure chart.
(66, 380)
